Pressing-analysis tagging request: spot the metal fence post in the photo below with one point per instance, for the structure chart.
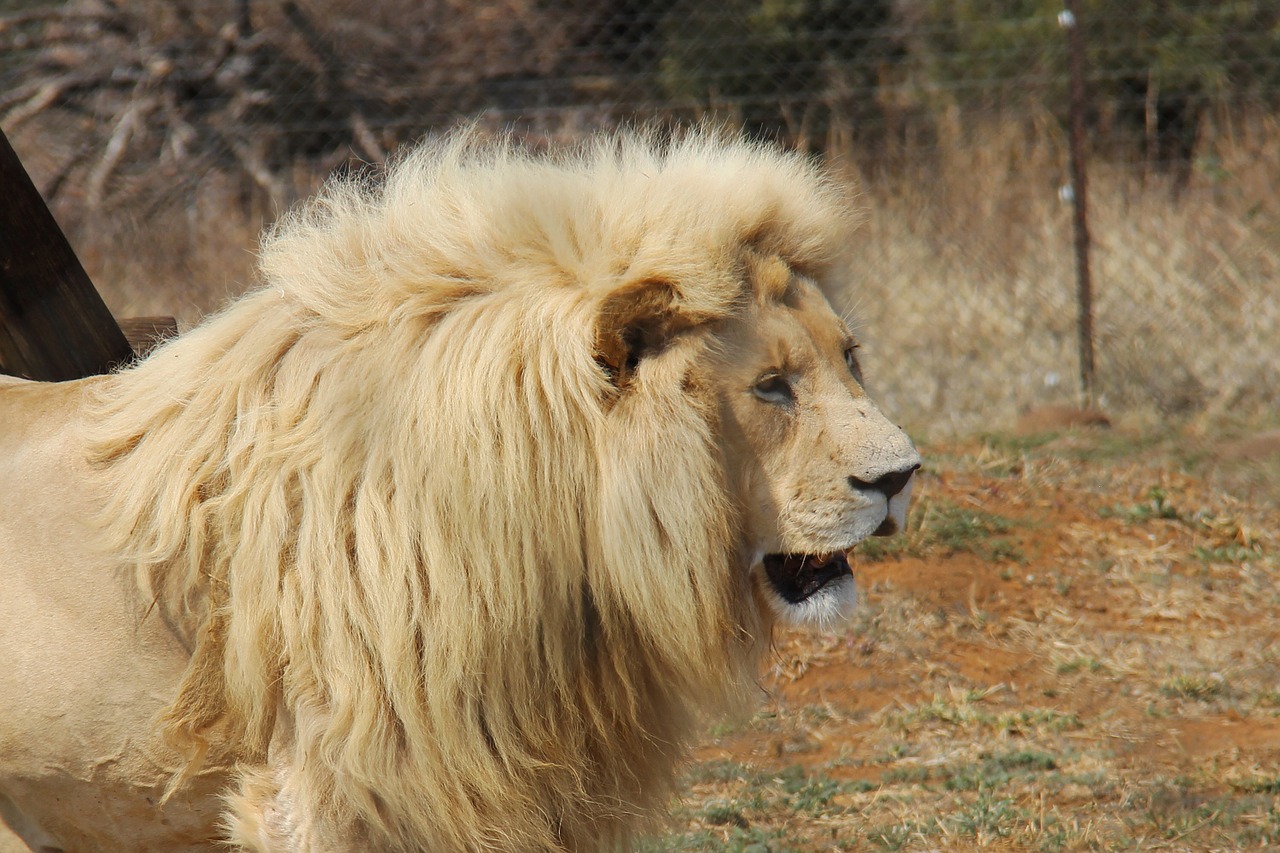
(1070, 21)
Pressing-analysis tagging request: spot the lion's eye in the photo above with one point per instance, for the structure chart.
(774, 389)
(851, 360)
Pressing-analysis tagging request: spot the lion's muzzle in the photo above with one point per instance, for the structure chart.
(896, 488)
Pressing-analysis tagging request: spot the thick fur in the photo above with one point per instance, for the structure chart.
(450, 580)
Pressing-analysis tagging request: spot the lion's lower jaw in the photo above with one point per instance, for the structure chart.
(827, 608)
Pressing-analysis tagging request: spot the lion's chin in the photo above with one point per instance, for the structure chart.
(810, 589)
(829, 607)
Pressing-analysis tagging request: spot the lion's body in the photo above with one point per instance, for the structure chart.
(437, 541)
(86, 671)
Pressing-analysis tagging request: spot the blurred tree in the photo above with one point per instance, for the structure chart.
(787, 68)
(1153, 65)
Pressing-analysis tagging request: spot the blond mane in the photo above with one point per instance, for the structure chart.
(396, 506)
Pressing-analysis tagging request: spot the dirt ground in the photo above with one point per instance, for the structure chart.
(1073, 647)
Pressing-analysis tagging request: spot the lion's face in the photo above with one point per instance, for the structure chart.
(815, 466)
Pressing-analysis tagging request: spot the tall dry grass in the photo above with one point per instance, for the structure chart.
(962, 277)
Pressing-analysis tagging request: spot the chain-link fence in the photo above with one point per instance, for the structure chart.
(174, 128)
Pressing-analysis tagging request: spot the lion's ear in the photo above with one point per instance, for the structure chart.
(635, 322)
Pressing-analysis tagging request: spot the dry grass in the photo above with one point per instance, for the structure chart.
(964, 279)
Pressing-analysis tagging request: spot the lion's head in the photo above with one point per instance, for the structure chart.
(810, 463)
(501, 480)
(814, 465)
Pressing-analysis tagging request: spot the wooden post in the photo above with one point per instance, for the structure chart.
(53, 324)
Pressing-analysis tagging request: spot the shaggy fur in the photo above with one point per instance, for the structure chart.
(420, 535)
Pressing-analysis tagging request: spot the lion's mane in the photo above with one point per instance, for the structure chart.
(398, 508)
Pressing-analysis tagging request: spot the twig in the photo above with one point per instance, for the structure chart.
(333, 71)
(181, 132)
(50, 190)
(36, 104)
(36, 88)
(116, 147)
(365, 140)
(256, 168)
(57, 13)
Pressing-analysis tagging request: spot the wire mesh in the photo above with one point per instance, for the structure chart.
(952, 117)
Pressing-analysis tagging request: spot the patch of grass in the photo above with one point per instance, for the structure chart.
(1263, 831)
(1230, 553)
(1112, 445)
(945, 528)
(718, 814)
(685, 841)
(967, 713)
(813, 716)
(1178, 812)
(985, 816)
(880, 548)
(912, 775)
(894, 752)
(723, 728)
(999, 770)
(1011, 443)
(751, 809)
(1258, 785)
(938, 710)
(1080, 664)
(717, 771)
(1033, 718)
(1199, 687)
(752, 840)
(1156, 505)
(1268, 698)
(792, 793)
(954, 528)
(896, 836)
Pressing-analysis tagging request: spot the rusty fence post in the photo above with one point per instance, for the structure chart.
(1070, 21)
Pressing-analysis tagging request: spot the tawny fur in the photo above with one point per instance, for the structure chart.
(465, 591)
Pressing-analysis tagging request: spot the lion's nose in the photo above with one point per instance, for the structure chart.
(887, 484)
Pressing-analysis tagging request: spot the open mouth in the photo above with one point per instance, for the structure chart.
(796, 577)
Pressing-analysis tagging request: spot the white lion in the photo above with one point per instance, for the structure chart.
(448, 536)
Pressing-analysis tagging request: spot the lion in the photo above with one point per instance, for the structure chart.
(453, 533)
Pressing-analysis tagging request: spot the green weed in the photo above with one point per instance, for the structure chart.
(1198, 687)
(1156, 505)
(986, 816)
(998, 771)
(1080, 664)
(1231, 553)
(944, 528)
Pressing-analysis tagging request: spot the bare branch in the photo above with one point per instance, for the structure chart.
(254, 167)
(366, 142)
(125, 128)
(37, 89)
(48, 93)
(55, 13)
